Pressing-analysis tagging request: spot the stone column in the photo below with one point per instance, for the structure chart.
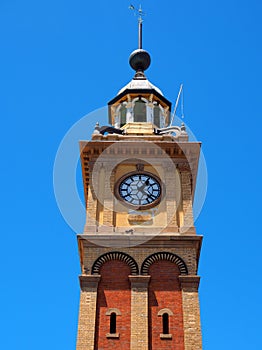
(139, 312)
(109, 196)
(186, 183)
(87, 312)
(100, 196)
(91, 206)
(129, 112)
(191, 312)
(173, 186)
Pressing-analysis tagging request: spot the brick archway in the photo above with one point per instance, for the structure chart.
(164, 256)
(115, 256)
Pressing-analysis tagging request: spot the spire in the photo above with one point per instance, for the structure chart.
(139, 59)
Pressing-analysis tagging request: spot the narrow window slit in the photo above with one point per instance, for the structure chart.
(113, 323)
(165, 322)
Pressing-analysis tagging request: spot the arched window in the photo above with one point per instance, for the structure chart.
(140, 111)
(157, 115)
(113, 313)
(122, 113)
(165, 323)
(113, 323)
(165, 313)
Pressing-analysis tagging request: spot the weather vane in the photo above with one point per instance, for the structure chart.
(140, 14)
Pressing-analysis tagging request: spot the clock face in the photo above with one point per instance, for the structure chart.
(140, 189)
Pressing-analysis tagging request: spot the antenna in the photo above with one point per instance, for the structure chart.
(176, 105)
(140, 14)
(182, 105)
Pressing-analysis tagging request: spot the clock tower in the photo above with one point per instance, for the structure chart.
(139, 250)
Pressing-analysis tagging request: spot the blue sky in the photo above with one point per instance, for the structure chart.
(60, 60)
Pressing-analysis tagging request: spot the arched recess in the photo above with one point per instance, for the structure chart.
(140, 111)
(163, 256)
(115, 256)
(120, 115)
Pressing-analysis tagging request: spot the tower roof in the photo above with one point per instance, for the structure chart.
(137, 84)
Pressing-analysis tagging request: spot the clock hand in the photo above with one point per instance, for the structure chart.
(141, 188)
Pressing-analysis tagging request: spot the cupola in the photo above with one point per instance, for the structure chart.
(139, 101)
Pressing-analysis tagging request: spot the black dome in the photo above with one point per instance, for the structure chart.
(139, 60)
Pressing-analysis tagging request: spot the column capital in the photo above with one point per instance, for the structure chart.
(89, 282)
(139, 281)
(184, 167)
(189, 283)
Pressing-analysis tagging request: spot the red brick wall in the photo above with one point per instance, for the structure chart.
(113, 292)
(164, 292)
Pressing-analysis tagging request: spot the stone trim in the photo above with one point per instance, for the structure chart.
(189, 283)
(165, 336)
(115, 256)
(139, 281)
(113, 335)
(165, 311)
(89, 282)
(110, 311)
(184, 166)
(163, 256)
